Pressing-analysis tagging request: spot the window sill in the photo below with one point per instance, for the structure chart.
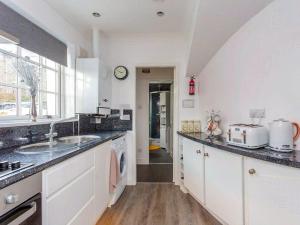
(19, 123)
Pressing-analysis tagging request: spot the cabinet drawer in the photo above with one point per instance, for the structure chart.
(62, 207)
(86, 215)
(62, 174)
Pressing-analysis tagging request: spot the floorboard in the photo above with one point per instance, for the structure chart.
(156, 204)
(155, 173)
(160, 156)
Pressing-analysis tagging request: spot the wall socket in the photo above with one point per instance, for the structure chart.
(257, 113)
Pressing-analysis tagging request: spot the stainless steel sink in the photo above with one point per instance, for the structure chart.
(61, 144)
(38, 145)
(77, 139)
(39, 148)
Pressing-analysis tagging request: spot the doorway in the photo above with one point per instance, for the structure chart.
(160, 148)
(154, 124)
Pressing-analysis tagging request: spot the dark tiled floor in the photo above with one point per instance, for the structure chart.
(155, 173)
(160, 156)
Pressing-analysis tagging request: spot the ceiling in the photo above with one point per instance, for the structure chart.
(215, 23)
(130, 16)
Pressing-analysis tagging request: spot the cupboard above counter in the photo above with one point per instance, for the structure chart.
(93, 85)
(288, 159)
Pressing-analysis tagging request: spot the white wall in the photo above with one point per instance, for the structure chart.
(142, 108)
(134, 50)
(257, 68)
(214, 23)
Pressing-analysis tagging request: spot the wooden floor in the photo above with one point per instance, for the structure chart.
(155, 173)
(156, 204)
(160, 156)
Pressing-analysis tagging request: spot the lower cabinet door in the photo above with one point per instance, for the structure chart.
(63, 207)
(193, 161)
(102, 167)
(85, 215)
(272, 194)
(224, 185)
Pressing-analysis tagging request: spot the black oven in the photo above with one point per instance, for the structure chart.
(27, 213)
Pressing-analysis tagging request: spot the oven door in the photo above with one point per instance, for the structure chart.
(28, 213)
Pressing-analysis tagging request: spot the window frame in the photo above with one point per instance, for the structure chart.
(41, 64)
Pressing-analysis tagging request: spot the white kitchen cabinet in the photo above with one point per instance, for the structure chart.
(68, 202)
(105, 86)
(85, 215)
(67, 188)
(87, 85)
(271, 194)
(76, 191)
(64, 173)
(193, 161)
(224, 185)
(102, 167)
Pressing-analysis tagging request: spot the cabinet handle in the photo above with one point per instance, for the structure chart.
(252, 171)
(206, 154)
(198, 151)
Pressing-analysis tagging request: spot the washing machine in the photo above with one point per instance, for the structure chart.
(120, 147)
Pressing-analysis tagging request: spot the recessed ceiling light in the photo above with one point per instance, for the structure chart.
(160, 13)
(96, 14)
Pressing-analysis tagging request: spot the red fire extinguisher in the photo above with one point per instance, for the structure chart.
(192, 86)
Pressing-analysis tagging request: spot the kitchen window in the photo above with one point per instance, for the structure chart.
(15, 99)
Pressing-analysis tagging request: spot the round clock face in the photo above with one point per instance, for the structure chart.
(121, 72)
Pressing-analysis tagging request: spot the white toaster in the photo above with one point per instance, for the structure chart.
(247, 136)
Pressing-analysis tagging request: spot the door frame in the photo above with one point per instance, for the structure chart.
(176, 94)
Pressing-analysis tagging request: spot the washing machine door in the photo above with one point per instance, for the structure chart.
(123, 163)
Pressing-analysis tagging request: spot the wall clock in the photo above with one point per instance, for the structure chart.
(121, 72)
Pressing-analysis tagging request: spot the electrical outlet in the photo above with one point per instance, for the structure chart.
(257, 113)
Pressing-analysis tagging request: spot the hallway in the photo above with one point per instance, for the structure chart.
(160, 156)
(160, 168)
(156, 204)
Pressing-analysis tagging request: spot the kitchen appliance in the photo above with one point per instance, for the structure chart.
(21, 202)
(120, 147)
(7, 168)
(247, 135)
(283, 135)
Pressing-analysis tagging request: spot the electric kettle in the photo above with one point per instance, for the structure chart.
(283, 134)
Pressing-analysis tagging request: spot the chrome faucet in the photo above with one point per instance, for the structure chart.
(51, 135)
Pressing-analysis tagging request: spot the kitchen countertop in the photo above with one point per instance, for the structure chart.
(45, 160)
(288, 159)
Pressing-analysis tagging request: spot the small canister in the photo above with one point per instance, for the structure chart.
(184, 126)
(197, 126)
(191, 126)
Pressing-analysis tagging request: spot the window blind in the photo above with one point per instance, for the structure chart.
(31, 36)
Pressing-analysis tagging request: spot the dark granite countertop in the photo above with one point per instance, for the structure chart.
(288, 159)
(45, 160)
